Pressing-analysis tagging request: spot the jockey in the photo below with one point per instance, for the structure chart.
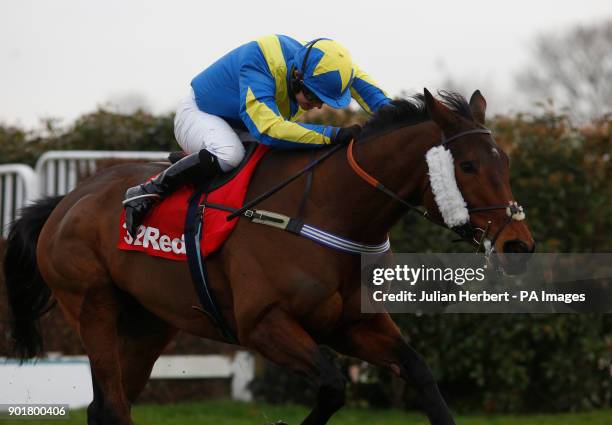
(263, 87)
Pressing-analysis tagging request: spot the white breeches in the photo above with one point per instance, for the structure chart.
(196, 130)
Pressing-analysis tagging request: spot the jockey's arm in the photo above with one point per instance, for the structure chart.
(367, 93)
(260, 113)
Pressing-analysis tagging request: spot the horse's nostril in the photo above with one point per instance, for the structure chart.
(516, 246)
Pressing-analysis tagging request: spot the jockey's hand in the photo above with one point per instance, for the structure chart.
(346, 134)
(388, 108)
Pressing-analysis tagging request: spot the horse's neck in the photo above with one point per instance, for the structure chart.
(396, 159)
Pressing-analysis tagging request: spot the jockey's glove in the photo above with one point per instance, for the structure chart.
(388, 108)
(346, 134)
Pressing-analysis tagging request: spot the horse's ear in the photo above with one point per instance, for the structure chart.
(440, 113)
(478, 105)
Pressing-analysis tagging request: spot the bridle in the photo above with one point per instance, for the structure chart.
(467, 232)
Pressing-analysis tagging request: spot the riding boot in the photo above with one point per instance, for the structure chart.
(139, 199)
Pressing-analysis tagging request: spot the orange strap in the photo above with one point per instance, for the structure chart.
(357, 169)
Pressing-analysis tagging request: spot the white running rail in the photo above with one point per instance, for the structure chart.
(18, 183)
(67, 379)
(55, 173)
(59, 171)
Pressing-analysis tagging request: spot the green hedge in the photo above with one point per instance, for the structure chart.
(99, 130)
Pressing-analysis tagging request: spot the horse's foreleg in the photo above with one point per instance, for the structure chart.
(377, 340)
(283, 341)
(142, 338)
(98, 332)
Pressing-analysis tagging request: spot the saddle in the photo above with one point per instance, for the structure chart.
(162, 230)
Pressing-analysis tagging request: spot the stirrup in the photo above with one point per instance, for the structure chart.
(133, 198)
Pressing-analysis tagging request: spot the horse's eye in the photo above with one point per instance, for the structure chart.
(468, 167)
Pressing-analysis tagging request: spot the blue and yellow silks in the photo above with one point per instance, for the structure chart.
(251, 85)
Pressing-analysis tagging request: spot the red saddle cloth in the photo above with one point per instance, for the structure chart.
(161, 233)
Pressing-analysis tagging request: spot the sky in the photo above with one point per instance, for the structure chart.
(62, 58)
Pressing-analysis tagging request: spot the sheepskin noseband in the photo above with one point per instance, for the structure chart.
(444, 186)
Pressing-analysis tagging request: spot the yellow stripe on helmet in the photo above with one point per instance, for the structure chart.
(335, 58)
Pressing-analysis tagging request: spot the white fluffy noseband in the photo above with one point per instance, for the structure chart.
(444, 187)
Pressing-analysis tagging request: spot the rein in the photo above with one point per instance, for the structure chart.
(272, 191)
(296, 225)
(372, 181)
(514, 212)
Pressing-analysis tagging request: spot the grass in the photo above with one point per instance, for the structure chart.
(234, 413)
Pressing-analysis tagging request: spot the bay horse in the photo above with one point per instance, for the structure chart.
(282, 295)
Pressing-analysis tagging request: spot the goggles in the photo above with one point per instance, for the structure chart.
(310, 96)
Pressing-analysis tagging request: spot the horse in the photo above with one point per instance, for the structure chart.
(282, 295)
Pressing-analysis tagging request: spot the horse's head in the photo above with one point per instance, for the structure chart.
(490, 215)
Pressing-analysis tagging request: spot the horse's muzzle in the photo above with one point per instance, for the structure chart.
(517, 246)
(516, 256)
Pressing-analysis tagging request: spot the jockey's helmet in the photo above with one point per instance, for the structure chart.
(325, 67)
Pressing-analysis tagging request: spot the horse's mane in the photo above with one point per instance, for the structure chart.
(413, 111)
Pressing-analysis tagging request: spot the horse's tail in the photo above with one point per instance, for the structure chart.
(28, 294)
